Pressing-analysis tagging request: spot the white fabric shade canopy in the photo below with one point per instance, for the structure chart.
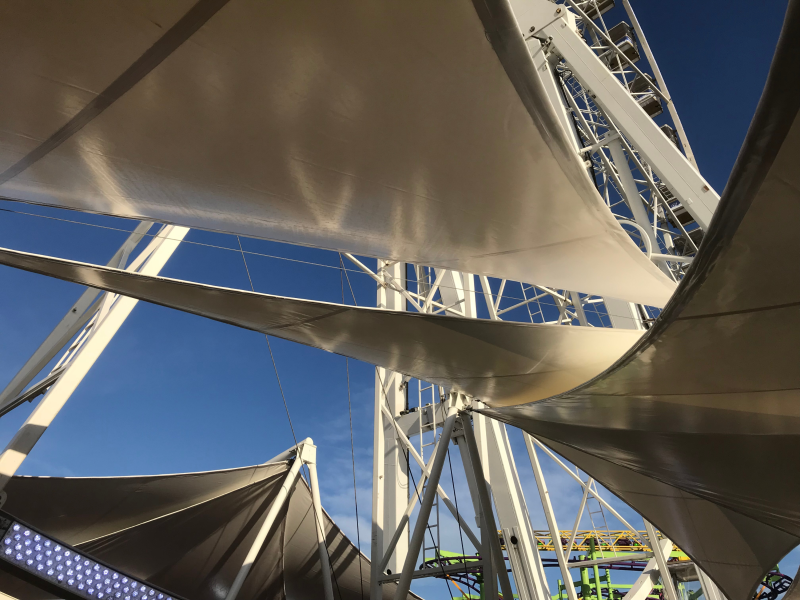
(393, 130)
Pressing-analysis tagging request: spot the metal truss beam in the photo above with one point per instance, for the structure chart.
(76, 317)
(559, 26)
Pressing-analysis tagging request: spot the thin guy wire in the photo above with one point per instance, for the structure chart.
(289, 417)
(271, 355)
(352, 445)
(350, 285)
(155, 235)
(215, 246)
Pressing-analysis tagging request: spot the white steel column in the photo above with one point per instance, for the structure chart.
(489, 578)
(409, 447)
(161, 248)
(491, 552)
(581, 508)
(378, 470)
(552, 87)
(710, 589)
(458, 290)
(72, 322)
(390, 465)
(412, 502)
(478, 461)
(512, 512)
(578, 306)
(551, 518)
(631, 192)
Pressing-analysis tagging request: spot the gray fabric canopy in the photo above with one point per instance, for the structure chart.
(391, 130)
(698, 426)
(505, 363)
(189, 533)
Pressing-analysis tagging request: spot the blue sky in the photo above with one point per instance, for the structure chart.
(176, 393)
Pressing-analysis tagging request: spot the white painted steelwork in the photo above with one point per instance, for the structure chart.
(151, 260)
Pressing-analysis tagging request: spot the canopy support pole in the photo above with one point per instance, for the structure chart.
(551, 518)
(491, 541)
(305, 454)
(309, 454)
(151, 260)
(261, 537)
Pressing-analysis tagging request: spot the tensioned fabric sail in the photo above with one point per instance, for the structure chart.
(417, 131)
(189, 533)
(698, 426)
(503, 363)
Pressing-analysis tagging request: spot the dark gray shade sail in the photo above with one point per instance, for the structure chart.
(189, 533)
(389, 130)
(503, 363)
(698, 425)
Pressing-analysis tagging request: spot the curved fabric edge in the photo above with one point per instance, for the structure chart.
(502, 362)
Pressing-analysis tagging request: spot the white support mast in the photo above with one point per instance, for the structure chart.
(390, 492)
